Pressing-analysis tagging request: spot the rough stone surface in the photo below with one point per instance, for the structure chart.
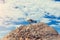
(39, 31)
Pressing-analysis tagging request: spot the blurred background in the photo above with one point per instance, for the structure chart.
(14, 13)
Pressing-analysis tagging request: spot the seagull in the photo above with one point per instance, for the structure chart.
(32, 21)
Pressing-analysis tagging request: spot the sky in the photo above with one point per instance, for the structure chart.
(14, 13)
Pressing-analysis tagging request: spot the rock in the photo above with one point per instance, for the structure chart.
(38, 31)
